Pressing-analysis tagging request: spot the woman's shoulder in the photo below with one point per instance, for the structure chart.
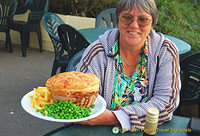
(159, 39)
(159, 45)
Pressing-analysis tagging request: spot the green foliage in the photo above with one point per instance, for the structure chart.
(180, 19)
(89, 8)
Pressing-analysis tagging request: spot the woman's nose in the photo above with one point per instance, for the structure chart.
(134, 23)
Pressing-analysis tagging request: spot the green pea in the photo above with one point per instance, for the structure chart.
(93, 106)
(65, 110)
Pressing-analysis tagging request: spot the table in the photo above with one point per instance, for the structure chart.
(170, 128)
(92, 34)
(182, 46)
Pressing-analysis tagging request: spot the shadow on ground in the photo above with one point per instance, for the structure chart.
(19, 75)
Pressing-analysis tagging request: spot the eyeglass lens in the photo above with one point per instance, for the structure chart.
(128, 19)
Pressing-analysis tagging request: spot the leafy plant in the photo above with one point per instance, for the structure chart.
(180, 19)
(89, 8)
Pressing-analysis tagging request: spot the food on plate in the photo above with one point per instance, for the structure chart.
(44, 103)
(80, 88)
(65, 110)
(40, 98)
(76, 92)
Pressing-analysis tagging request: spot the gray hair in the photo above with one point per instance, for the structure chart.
(148, 6)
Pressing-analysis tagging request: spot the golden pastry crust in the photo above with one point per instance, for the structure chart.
(77, 87)
(72, 80)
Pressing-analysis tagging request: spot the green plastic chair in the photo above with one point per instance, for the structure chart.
(74, 61)
(7, 11)
(190, 91)
(106, 18)
(72, 42)
(37, 9)
(51, 22)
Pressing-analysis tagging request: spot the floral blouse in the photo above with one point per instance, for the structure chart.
(127, 90)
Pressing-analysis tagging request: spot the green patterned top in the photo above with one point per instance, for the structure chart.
(127, 90)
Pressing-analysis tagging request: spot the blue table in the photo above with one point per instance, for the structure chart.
(182, 46)
(92, 34)
(176, 127)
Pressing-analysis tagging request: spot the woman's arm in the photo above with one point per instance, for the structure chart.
(106, 118)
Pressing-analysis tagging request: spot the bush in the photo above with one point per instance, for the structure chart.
(87, 8)
(180, 19)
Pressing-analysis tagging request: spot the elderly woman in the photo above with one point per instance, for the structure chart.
(138, 68)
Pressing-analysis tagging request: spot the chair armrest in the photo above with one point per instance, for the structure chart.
(6, 17)
(21, 10)
(46, 6)
(73, 63)
(22, 17)
(35, 16)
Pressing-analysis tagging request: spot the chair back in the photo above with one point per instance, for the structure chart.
(106, 18)
(71, 39)
(7, 11)
(38, 8)
(74, 61)
(51, 22)
(37, 5)
(190, 66)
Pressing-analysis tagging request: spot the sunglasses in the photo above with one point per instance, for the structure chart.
(128, 19)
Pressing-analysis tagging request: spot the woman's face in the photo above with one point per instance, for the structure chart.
(134, 33)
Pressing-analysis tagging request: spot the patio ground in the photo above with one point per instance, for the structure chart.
(19, 75)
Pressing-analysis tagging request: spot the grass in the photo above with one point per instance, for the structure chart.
(180, 19)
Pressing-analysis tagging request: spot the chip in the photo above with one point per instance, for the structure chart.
(40, 98)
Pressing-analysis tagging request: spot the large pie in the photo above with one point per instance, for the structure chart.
(80, 88)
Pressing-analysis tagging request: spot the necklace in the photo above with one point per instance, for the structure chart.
(129, 65)
(129, 69)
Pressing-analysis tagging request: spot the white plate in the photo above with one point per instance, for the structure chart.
(100, 106)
